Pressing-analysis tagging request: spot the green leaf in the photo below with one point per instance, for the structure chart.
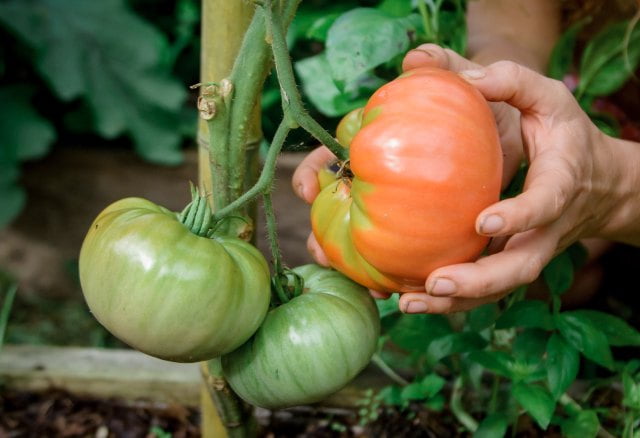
(453, 343)
(452, 30)
(391, 395)
(12, 201)
(562, 54)
(310, 18)
(517, 182)
(499, 362)
(586, 337)
(579, 254)
(558, 274)
(631, 390)
(424, 389)
(584, 424)
(482, 317)
(493, 426)
(320, 28)
(24, 134)
(536, 401)
(82, 51)
(416, 332)
(605, 123)
(396, 8)
(563, 364)
(617, 331)
(389, 306)
(531, 314)
(317, 85)
(363, 39)
(607, 63)
(529, 345)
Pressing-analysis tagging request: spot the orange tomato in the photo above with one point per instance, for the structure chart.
(425, 162)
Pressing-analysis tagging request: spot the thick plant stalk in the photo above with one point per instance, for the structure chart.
(224, 24)
(236, 59)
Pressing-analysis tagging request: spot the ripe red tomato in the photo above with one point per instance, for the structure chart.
(426, 161)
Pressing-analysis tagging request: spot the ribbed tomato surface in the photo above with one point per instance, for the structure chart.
(426, 161)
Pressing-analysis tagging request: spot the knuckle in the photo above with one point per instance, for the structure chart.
(509, 68)
(558, 88)
(531, 269)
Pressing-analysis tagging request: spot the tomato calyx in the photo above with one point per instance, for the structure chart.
(344, 170)
(285, 286)
(197, 215)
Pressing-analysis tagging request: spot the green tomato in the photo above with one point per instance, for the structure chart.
(166, 291)
(308, 348)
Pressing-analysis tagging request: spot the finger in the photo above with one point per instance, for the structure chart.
(508, 121)
(521, 262)
(379, 295)
(316, 251)
(424, 303)
(432, 55)
(305, 178)
(506, 81)
(549, 188)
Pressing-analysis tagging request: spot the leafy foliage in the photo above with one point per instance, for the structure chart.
(364, 48)
(80, 52)
(532, 350)
(24, 135)
(106, 64)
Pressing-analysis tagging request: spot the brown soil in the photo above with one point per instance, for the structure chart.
(59, 414)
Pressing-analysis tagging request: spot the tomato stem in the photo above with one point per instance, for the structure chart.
(272, 231)
(197, 215)
(291, 101)
(265, 181)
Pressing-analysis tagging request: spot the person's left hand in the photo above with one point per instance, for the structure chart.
(573, 189)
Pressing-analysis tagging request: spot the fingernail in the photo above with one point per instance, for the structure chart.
(425, 52)
(442, 287)
(491, 224)
(472, 74)
(415, 307)
(300, 191)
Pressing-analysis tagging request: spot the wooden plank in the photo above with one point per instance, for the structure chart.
(129, 375)
(103, 373)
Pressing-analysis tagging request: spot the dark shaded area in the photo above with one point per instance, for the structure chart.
(58, 414)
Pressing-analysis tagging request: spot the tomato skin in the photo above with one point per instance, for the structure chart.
(426, 162)
(166, 291)
(308, 348)
(349, 127)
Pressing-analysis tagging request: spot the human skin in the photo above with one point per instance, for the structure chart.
(524, 31)
(581, 183)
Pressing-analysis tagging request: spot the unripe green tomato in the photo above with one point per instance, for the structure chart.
(166, 291)
(349, 126)
(309, 347)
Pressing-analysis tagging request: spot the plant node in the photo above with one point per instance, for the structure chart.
(206, 108)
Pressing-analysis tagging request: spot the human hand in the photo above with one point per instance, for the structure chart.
(569, 193)
(305, 179)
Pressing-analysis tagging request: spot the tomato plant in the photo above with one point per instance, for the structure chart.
(167, 291)
(309, 347)
(425, 162)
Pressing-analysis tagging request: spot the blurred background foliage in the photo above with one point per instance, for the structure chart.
(116, 74)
